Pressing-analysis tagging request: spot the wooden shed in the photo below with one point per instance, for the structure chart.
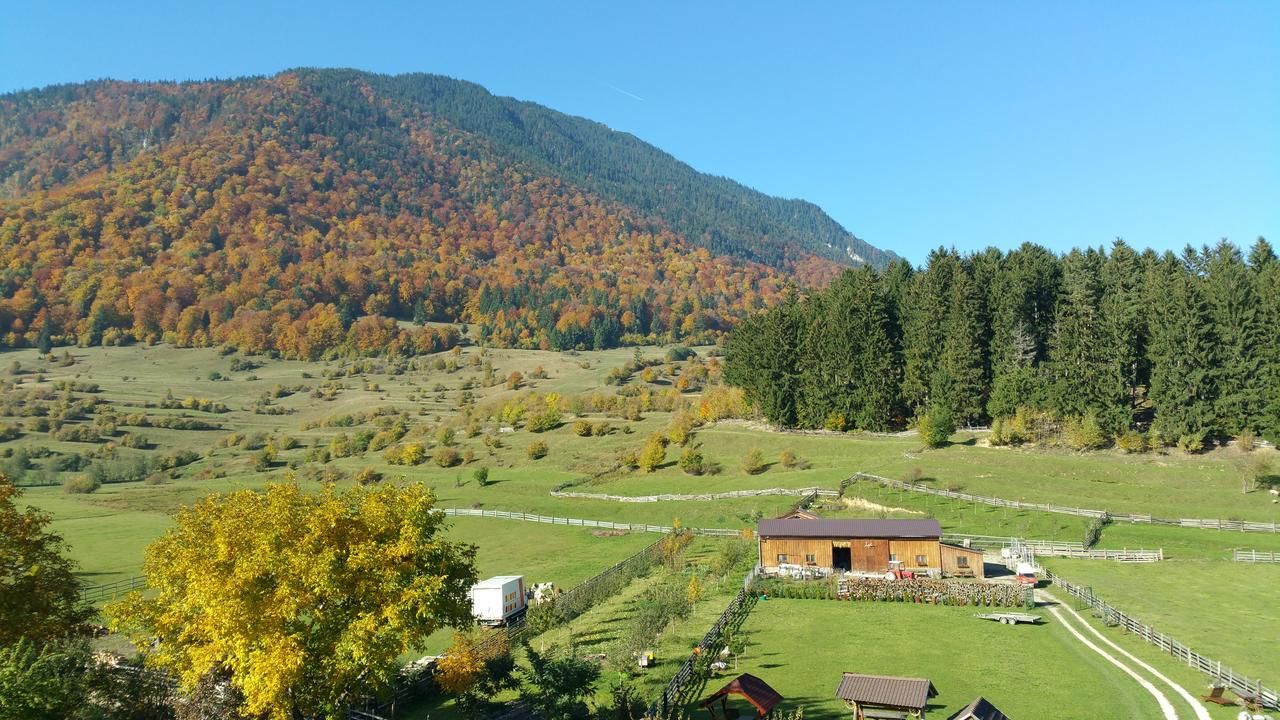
(863, 545)
(884, 697)
(756, 691)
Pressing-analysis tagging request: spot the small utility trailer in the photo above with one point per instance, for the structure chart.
(1012, 618)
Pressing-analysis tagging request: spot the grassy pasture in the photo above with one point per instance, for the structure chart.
(1026, 671)
(1221, 609)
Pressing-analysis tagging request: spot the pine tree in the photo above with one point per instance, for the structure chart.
(1240, 328)
(963, 359)
(924, 323)
(1022, 300)
(1125, 329)
(1086, 380)
(1183, 357)
(1266, 277)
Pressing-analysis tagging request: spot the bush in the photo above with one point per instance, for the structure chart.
(691, 462)
(654, 453)
(536, 450)
(445, 436)
(1191, 443)
(1083, 433)
(368, 476)
(481, 476)
(1131, 441)
(446, 457)
(582, 428)
(936, 426)
(753, 462)
(548, 419)
(787, 458)
(1246, 440)
(601, 429)
(80, 484)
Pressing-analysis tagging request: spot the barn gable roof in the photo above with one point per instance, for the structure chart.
(885, 691)
(789, 527)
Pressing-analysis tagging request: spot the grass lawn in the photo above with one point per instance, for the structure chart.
(1222, 609)
(801, 647)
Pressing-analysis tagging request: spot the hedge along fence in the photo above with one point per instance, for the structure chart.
(1239, 525)
(1220, 673)
(919, 590)
(693, 672)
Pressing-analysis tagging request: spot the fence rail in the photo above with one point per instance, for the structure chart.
(94, 594)
(579, 522)
(1210, 524)
(1254, 556)
(672, 697)
(727, 495)
(1053, 548)
(1240, 684)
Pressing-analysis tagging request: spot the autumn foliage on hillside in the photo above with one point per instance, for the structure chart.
(316, 217)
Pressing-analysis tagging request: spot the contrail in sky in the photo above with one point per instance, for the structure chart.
(631, 95)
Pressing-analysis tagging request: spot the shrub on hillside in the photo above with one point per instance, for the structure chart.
(368, 476)
(446, 457)
(753, 462)
(1191, 443)
(1083, 433)
(1131, 441)
(936, 426)
(481, 476)
(80, 484)
(1246, 440)
(654, 453)
(536, 450)
(582, 428)
(787, 458)
(692, 462)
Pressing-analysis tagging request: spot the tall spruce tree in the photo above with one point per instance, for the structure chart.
(924, 325)
(1022, 300)
(1125, 329)
(1266, 280)
(1184, 381)
(963, 359)
(1239, 324)
(1086, 379)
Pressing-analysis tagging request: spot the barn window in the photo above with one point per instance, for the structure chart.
(893, 557)
(922, 560)
(809, 558)
(782, 558)
(962, 561)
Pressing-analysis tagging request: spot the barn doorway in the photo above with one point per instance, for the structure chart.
(841, 557)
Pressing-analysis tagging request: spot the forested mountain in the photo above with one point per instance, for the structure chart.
(1092, 346)
(315, 209)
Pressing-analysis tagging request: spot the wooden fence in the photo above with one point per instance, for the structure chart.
(675, 696)
(1237, 525)
(94, 594)
(1254, 556)
(1220, 673)
(1052, 548)
(579, 522)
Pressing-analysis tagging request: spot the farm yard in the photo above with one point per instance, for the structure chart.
(166, 427)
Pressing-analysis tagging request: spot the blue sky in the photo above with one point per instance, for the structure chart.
(914, 124)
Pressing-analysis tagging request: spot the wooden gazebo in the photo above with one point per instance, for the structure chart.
(756, 691)
(883, 697)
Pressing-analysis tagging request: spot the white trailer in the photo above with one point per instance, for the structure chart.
(498, 600)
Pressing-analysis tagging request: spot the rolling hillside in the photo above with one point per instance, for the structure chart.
(273, 213)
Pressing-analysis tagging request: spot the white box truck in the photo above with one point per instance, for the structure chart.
(498, 600)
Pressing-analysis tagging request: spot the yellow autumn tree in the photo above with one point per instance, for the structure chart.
(306, 600)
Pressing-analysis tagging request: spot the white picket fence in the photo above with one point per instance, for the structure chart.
(1053, 548)
(1254, 556)
(579, 522)
(727, 495)
(1208, 524)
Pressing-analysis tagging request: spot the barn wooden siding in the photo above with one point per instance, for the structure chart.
(951, 564)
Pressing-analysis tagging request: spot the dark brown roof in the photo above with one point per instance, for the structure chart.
(756, 691)
(961, 548)
(851, 528)
(886, 691)
(980, 709)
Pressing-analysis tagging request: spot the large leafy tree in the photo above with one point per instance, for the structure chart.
(39, 593)
(305, 600)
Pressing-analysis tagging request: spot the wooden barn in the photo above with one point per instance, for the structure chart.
(864, 545)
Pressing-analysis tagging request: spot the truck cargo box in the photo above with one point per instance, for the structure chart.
(498, 600)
